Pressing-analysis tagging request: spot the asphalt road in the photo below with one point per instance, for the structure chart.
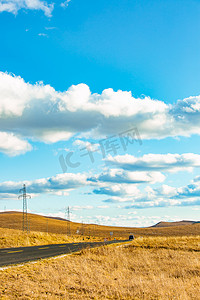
(10, 256)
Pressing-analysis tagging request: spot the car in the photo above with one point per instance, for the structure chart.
(131, 237)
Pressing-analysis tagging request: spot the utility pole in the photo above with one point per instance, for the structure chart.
(24, 196)
(95, 229)
(82, 229)
(89, 230)
(68, 221)
(47, 226)
(29, 225)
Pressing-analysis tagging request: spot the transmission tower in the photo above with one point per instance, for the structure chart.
(24, 196)
(68, 221)
(82, 230)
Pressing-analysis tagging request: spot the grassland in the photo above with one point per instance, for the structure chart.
(148, 268)
(16, 238)
(13, 220)
(161, 263)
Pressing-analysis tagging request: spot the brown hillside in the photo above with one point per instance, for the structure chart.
(178, 223)
(39, 223)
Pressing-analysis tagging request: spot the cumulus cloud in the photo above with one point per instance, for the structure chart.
(39, 112)
(118, 190)
(13, 145)
(192, 190)
(165, 196)
(186, 113)
(156, 162)
(56, 185)
(163, 203)
(121, 176)
(13, 6)
(62, 184)
(122, 186)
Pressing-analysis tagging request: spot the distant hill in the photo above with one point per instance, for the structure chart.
(40, 223)
(178, 223)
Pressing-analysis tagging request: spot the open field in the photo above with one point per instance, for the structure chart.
(148, 268)
(13, 220)
(16, 238)
(161, 263)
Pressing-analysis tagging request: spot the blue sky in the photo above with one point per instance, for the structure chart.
(74, 73)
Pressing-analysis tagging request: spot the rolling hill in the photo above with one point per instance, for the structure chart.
(40, 223)
(178, 223)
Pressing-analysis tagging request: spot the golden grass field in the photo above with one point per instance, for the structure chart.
(13, 220)
(147, 268)
(161, 263)
(16, 238)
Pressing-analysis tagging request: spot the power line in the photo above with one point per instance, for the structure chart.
(24, 196)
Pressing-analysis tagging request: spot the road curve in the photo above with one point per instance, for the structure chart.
(10, 256)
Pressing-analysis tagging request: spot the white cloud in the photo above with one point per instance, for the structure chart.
(166, 190)
(121, 186)
(62, 184)
(78, 207)
(188, 193)
(121, 176)
(65, 3)
(55, 136)
(116, 199)
(119, 190)
(92, 147)
(39, 112)
(165, 196)
(13, 145)
(59, 184)
(132, 220)
(43, 34)
(13, 6)
(156, 162)
(103, 206)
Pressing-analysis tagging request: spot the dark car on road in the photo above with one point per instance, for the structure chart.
(131, 237)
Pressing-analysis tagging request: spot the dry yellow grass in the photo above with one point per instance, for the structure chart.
(189, 243)
(112, 272)
(13, 220)
(38, 223)
(16, 238)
